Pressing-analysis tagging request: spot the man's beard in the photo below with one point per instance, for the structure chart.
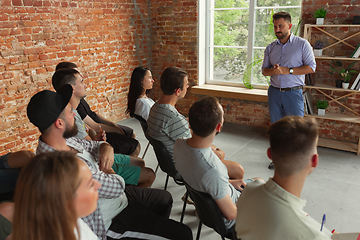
(283, 35)
(70, 131)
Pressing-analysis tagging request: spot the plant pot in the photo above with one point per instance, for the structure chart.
(345, 85)
(321, 111)
(319, 21)
(338, 83)
(317, 52)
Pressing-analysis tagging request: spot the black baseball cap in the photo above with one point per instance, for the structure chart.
(45, 106)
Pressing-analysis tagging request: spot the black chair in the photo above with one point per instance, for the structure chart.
(209, 213)
(144, 127)
(167, 165)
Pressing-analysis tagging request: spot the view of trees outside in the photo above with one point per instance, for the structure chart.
(230, 36)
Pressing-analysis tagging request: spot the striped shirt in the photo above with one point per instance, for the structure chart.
(166, 125)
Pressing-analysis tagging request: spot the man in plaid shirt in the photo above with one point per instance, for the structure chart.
(131, 213)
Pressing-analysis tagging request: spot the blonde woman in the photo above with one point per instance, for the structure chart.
(52, 194)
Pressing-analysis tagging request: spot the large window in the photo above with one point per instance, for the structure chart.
(234, 35)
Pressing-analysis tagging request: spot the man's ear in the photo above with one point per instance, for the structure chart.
(177, 92)
(59, 123)
(268, 152)
(290, 25)
(315, 160)
(218, 127)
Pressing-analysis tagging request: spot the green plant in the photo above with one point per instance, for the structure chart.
(322, 104)
(345, 73)
(320, 13)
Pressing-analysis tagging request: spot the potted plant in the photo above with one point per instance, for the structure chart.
(337, 67)
(319, 45)
(346, 77)
(320, 14)
(322, 105)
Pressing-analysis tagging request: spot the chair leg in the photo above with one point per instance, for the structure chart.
(199, 230)
(184, 207)
(166, 182)
(157, 167)
(145, 150)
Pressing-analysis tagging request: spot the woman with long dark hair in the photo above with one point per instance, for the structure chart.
(138, 101)
(52, 193)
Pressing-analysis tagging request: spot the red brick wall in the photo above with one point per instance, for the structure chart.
(107, 39)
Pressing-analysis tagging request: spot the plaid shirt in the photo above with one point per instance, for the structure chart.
(112, 185)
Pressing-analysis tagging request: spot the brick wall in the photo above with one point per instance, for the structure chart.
(106, 39)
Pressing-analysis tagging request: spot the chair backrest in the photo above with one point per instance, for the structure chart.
(142, 121)
(164, 158)
(207, 210)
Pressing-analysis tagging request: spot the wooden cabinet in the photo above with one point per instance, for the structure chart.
(354, 116)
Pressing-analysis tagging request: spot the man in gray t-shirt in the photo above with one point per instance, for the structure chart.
(199, 166)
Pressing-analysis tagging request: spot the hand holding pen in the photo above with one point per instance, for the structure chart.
(101, 136)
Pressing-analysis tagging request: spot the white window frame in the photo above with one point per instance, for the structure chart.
(205, 44)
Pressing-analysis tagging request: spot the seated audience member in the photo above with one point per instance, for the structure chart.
(120, 211)
(10, 165)
(131, 168)
(166, 124)
(199, 166)
(274, 210)
(120, 137)
(59, 182)
(6, 218)
(140, 85)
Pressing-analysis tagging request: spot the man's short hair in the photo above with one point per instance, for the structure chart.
(64, 76)
(286, 16)
(292, 142)
(65, 65)
(204, 115)
(171, 79)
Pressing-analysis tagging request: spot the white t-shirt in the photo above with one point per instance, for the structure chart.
(267, 212)
(142, 107)
(85, 231)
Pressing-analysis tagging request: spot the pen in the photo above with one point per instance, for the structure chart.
(100, 128)
(323, 222)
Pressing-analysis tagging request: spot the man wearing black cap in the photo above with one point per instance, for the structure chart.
(132, 168)
(140, 211)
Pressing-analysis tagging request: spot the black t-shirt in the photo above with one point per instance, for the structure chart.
(84, 110)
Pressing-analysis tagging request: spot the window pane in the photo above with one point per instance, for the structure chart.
(231, 27)
(271, 3)
(264, 31)
(229, 64)
(258, 78)
(231, 3)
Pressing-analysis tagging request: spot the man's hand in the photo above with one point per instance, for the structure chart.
(106, 157)
(101, 136)
(279, 70)
(239, 184)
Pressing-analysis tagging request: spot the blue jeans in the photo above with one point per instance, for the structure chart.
(288, 103)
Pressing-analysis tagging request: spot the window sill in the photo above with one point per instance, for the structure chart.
(259, 95)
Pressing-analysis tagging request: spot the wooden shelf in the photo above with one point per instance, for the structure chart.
(324, 57)
(329, 87)
(339, 145)
(337, 117)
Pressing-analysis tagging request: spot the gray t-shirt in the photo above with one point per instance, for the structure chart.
(166, 125)
(80, 125)
(204, 171)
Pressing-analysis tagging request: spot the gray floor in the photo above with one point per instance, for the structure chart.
(333, 188)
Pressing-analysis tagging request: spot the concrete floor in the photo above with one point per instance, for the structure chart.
(333, 188)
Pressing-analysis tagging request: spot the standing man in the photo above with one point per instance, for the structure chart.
(286, 60)
(274, 210)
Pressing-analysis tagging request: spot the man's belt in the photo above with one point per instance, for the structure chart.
(289, 88)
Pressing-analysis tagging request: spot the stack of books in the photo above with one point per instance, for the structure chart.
(356, 84)
(356, 52)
